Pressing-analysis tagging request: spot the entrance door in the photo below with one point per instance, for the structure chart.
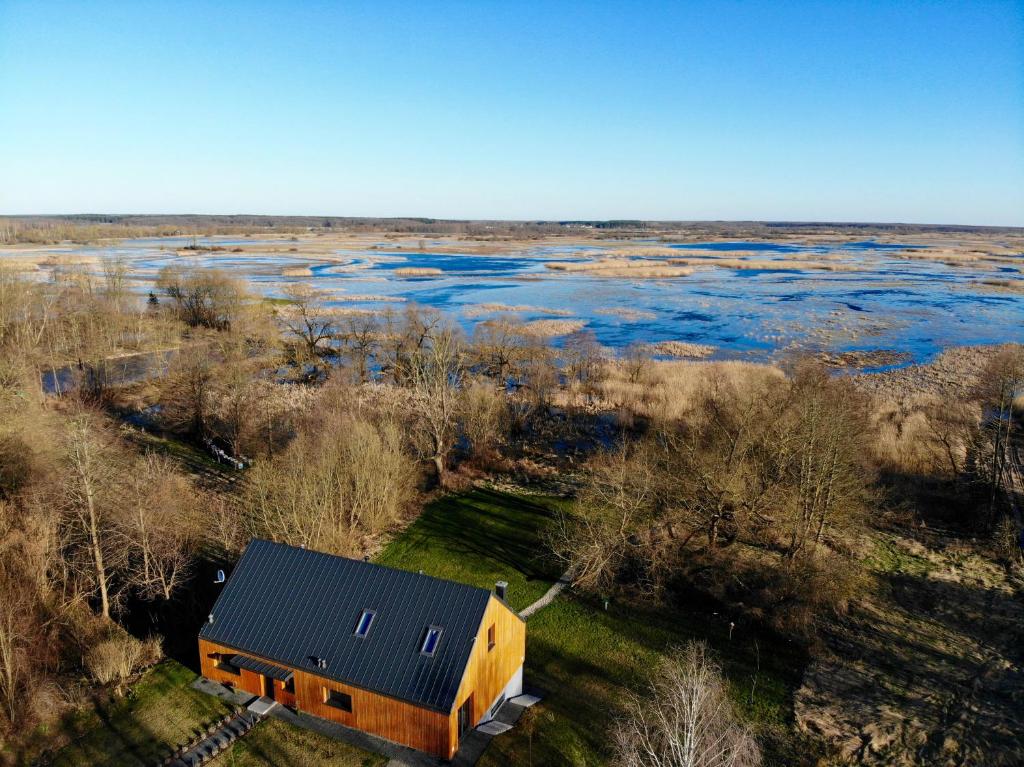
(268, 687)
(465, 716)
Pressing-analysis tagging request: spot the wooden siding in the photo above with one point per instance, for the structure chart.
(389, 718)
(209, 654)
(392, 719)
(489, 671)
(486, 675)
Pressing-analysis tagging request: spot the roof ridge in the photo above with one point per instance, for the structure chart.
(415, 574)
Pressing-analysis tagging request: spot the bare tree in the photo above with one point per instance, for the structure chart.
(404, 336)
(207, 298)
(436, 373)
(361, 335)
(162, 527)
(497, 347)
(484, 416)
(686, 720)
(341, 479)
(1002, 382)
(613, 513)
(308, 318)
(90, 501)
(584, 360)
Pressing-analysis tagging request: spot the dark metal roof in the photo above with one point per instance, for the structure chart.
(261, 667)
(294, 606)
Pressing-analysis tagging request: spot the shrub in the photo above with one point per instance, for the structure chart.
(119, 655)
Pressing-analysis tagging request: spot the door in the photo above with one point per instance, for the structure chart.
(465, 716)
(268, 687)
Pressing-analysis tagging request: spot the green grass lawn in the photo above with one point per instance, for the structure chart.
(581, 656)
(159, 712)
(479, 538)
(273, 743)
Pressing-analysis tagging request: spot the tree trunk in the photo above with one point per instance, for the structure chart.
(97, 552)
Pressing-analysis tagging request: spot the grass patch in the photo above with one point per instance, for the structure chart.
(273, 743)
(584, 657)
(890, 558)
(479, 538)
(160, 712)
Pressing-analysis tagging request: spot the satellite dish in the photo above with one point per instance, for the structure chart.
(220, 577)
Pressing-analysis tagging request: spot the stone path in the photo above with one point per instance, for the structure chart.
(232, 730)
(549, 595)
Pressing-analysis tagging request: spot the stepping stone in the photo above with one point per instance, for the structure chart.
(525, 700)
(494, 727)
(262, 706)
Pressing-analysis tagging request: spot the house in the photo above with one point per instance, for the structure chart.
(407, 657)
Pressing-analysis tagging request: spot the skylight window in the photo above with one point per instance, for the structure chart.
(365, 621)
(431, 639)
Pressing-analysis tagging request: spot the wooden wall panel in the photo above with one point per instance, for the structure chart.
(392, 719)
(488, 671)
(208, 655)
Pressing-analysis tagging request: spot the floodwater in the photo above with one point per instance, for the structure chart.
(886, 303)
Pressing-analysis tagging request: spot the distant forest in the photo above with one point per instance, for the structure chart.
(92, 226)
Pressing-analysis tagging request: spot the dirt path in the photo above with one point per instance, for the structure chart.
(928, 672)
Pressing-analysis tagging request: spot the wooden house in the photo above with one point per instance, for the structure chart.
(407, 657)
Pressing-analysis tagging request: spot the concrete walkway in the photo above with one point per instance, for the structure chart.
(549, 595)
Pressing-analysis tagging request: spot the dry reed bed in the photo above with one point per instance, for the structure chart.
(620, 267)
(479, 310)
(1001, 286)
(552, 328)
(417, 271)
(368, 297)
(630, 315)
(680, 349)
(764, 263)
(671, 389)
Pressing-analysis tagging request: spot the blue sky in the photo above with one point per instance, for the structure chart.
(775, 110)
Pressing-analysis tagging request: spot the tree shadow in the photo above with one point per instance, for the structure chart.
(939, 667)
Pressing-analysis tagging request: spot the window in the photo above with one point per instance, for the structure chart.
(339, 700)
(289, 686)
(222, 664)
(431, 639)
(490, 638)
(364, 623)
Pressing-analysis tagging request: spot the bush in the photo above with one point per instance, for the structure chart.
(117, 657)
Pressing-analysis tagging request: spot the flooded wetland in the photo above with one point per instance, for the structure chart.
(869, 303)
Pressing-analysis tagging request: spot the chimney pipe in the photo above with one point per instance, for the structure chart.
(500, 588)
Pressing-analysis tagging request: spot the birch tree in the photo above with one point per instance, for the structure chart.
(685, 720)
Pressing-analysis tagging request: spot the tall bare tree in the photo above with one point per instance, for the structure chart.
(91, 498)
(686, 719)
(437, 369)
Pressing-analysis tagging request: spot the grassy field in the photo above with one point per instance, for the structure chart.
(479, 538)
(160, 711)
(274, 743)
